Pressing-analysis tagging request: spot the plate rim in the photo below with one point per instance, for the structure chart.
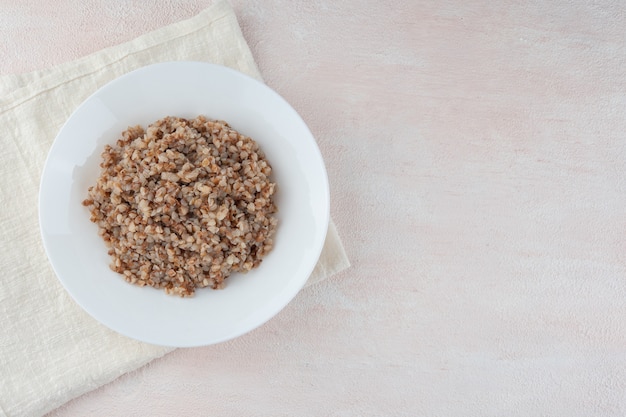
(318, 248)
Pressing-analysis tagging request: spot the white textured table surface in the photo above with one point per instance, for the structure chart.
(476, 155)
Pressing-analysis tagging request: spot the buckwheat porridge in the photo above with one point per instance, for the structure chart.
(183, 204)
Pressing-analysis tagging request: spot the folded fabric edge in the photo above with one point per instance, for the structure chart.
(86, 389)
(104, 57)
(333, 258)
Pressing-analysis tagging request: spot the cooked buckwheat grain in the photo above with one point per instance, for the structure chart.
(184, 204)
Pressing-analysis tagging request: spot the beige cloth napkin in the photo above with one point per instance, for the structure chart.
(50, 350)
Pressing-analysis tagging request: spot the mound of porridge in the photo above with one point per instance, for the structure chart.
(184, 204)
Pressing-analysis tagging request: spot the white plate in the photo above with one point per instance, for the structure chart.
(185, 89)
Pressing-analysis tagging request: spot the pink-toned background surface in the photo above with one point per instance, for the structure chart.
(476, 154)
